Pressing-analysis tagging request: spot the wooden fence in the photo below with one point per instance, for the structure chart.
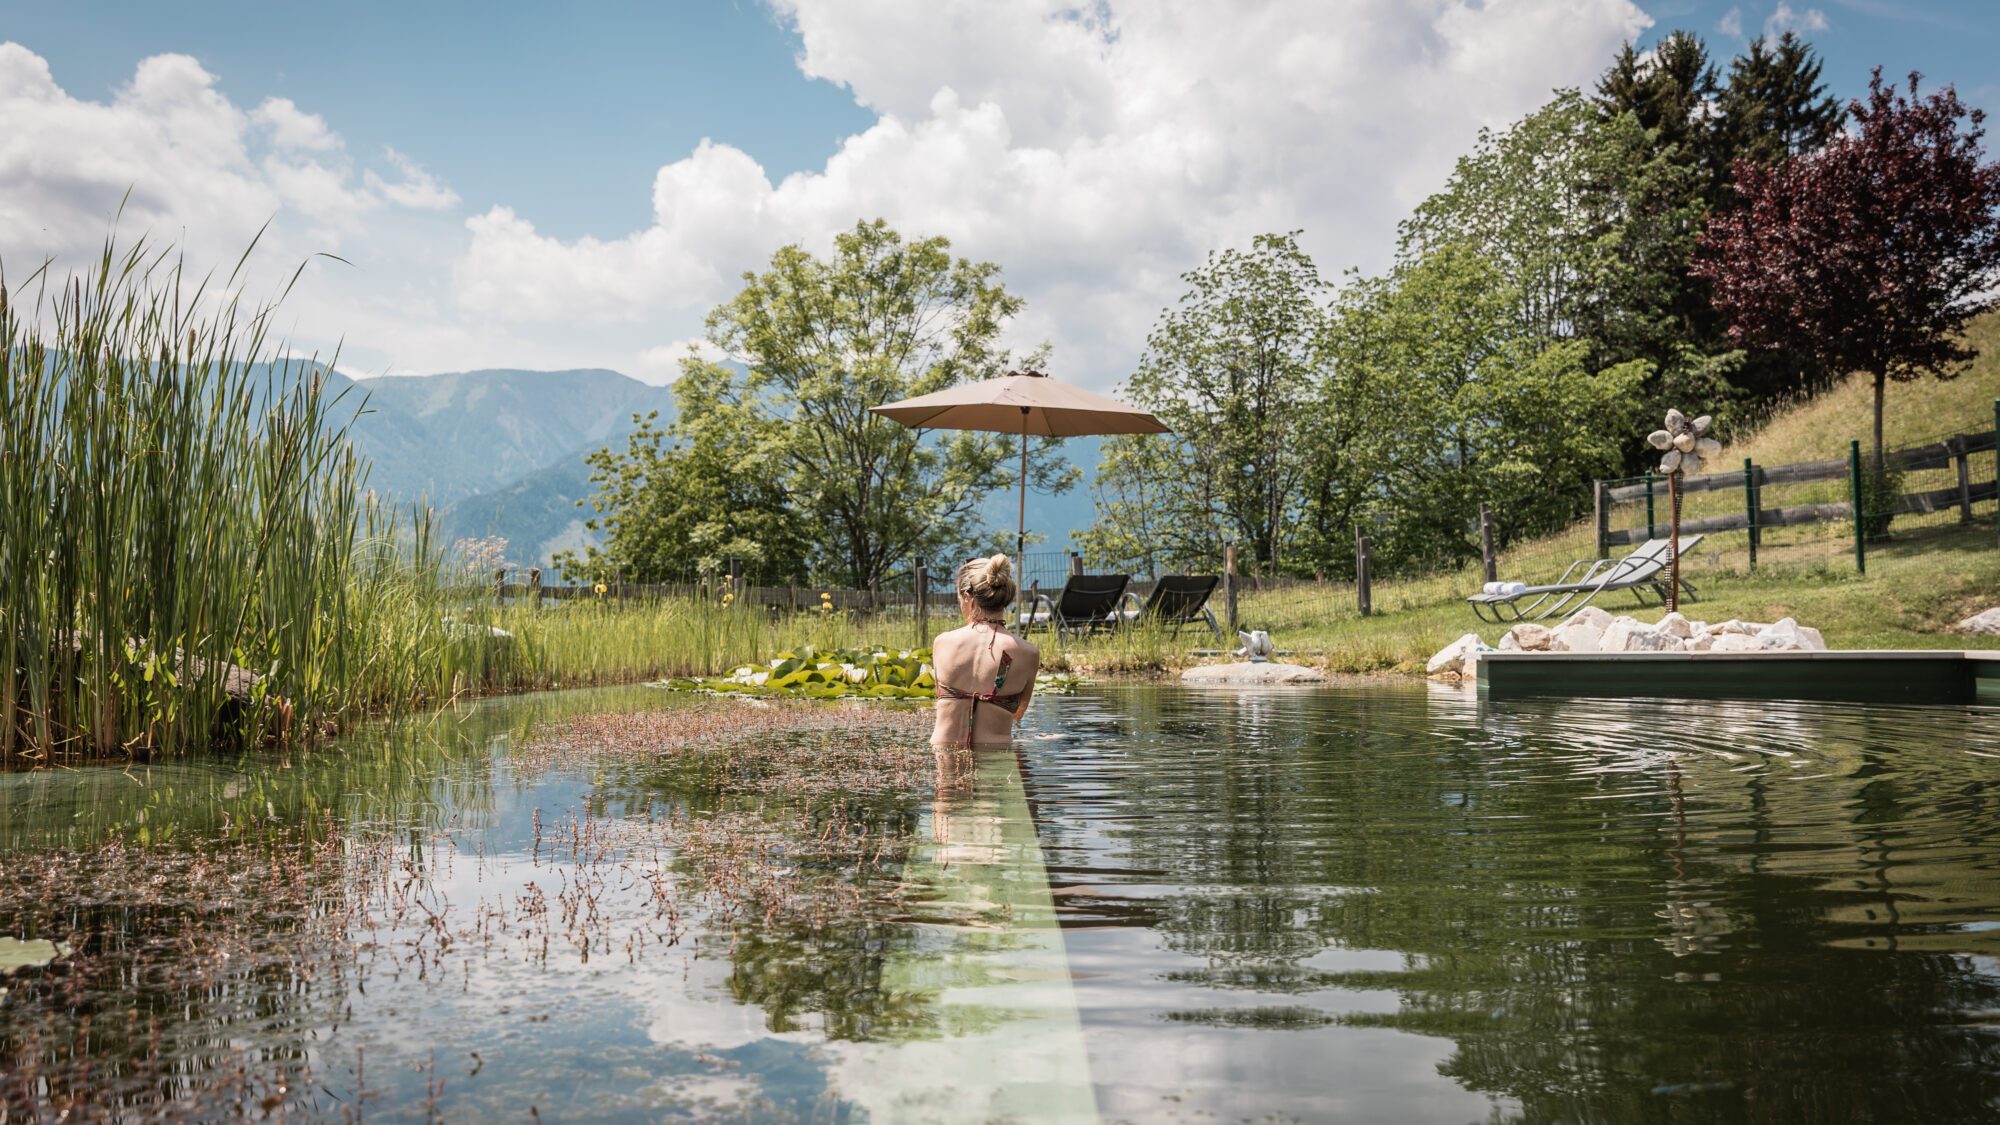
(1752, 478)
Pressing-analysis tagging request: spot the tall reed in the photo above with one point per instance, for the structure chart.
(177, 512)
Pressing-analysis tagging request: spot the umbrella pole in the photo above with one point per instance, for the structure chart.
(1021, 530)
(1021, 518)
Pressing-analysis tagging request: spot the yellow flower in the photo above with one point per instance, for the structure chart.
(727, 598)
(601, 587)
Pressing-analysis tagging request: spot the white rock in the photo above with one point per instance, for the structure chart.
(1703, 641)
(1735, 642)
(1597, 619)
(1675, 626)
(1732, 625)
(1785, 635)
(1814, 641)
(1651, 640)
(1508, 643)
(1528, 637)
(1450, 660)
(1469, 670)
(1576, 636)
(1985, 623)
(1251, 673)
(1618, 637)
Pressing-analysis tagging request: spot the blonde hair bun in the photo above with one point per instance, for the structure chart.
(988, 582)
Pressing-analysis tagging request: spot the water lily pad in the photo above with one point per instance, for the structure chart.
(16, 954)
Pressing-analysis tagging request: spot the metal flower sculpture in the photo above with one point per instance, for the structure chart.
(1686, 445)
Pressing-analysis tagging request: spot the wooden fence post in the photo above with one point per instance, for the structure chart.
(1860, 513)
(534, 587)
(923, 572)
(500, 586)
(1651, 531)
(1603, 504)
(1075, 563)
(1361, 572)
(1996, 467)
(1486, 556)
(1750, 506)
(1964, 460)
(1229, 585)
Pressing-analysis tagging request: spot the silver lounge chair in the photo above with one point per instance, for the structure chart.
(1642, 572)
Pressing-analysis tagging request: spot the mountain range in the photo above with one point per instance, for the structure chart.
(501, 452)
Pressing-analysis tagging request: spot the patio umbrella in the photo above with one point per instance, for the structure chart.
(1025, 403)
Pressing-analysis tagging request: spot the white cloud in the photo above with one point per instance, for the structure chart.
(662, 363)
(418, 188)
(1731, 23)
(1786, 18)
(293, 128)
(1095, 156)
(1096, 152)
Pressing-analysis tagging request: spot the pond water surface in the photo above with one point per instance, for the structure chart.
(1380, 901)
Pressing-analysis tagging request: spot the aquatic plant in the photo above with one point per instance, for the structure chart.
(810, 673)
(178, 503)
(868, 673)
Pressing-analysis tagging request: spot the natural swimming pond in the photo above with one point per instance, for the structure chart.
(1379, 901)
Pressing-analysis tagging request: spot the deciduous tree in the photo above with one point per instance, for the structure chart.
(1871, 253)
(821, 341)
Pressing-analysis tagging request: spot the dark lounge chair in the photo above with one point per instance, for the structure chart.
(1639, 573)
(1176, 601)
(1087, 603)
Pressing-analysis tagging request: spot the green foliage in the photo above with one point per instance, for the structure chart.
(1775, 106)
(1234, 371)
(670, 511)
(171, 509)
(822, 341)
(1475, 408)
(810, 672)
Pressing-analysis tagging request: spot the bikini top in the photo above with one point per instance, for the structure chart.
(1009, 702)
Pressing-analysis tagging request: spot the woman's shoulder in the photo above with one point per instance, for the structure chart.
(1022, 646)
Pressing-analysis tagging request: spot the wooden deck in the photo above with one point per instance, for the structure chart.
(1942, 676)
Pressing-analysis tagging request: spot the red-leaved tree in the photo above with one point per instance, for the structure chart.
(1871, 253)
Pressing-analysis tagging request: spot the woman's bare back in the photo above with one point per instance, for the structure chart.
(981, 660)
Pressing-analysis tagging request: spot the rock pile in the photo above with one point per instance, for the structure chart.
(1591, 629)
(1985, 623)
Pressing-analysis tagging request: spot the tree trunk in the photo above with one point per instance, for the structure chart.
(1881, 384)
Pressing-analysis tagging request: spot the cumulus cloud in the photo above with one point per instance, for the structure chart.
(186, 163)
(1095, 150)
(1786, 18)
(1095, 153)
(662, 363)
(417, 188)
(293, 128)
(1731, 23)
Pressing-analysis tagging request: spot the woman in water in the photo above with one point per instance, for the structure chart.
(985, 675)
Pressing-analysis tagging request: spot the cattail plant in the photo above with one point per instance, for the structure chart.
(178, 507)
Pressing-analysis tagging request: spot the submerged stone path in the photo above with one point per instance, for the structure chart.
(1011, 1046)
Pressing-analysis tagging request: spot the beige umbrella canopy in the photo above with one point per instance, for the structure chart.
(1025, 403)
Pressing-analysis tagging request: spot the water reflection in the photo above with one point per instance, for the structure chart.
(1785, 915)
(1375, 902)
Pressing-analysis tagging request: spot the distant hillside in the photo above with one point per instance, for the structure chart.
(537, 514)
(451, 436)
(501, 453)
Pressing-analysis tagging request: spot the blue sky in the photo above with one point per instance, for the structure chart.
(565, 117)
(542, 186)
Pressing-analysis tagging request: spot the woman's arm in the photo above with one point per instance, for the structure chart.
(1032, 664)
